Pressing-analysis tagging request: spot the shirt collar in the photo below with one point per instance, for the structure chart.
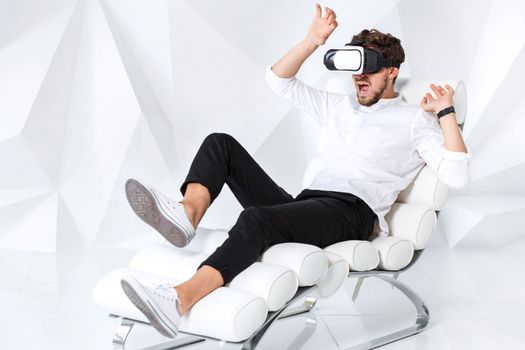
(382, 103)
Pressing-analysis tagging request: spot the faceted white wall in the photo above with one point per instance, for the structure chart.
(93, 92)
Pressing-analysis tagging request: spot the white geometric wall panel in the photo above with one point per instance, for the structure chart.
(96, 91)
(483, 221)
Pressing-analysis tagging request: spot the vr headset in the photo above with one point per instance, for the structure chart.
(357, 59)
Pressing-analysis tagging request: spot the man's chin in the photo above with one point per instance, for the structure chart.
(366, 101)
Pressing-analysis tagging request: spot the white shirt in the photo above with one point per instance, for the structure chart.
(372, 152)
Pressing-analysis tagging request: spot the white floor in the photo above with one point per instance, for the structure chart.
(475, 298)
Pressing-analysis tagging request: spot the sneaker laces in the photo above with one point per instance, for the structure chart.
(172, 203)
(166, 291)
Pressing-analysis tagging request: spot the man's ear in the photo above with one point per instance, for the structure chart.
(393, 73)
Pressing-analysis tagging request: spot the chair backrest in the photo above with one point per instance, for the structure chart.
(413, 216)
(426, 189)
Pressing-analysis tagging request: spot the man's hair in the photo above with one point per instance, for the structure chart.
(387, 44)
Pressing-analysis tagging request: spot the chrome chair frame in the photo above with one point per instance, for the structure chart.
(422, 317)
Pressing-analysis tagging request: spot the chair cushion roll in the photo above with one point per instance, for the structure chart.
(274, 283)
(226, 313)
(394, 252)
(413, 222)
(360, 255)
(167, 261)
(335, 275)
(308, 261)
(426, 190)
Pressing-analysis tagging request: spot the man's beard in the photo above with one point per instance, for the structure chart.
(374, 96)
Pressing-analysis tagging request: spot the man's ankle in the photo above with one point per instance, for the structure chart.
(191, 213)
(180, 304)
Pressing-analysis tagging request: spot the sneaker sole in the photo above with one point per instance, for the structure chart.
(140, 299)
(145, 205)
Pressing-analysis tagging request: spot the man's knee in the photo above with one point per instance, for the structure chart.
(253, 223)
(253, 214)
(219, 137)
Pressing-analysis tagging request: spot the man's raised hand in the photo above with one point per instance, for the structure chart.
(322, 26)
(443, 99)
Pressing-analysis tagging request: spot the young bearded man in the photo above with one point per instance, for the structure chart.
(371, 147)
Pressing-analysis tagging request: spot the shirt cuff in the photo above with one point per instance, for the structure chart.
(274, 79)
(450, 155)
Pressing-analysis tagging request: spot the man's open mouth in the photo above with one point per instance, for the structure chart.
(362, 88)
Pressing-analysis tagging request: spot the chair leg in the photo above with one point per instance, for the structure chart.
(308, 331)
(176, 343)
(122, 332)
(309, 303)
(125, 327)
(252, 342)
(358, 288)
(422, 318)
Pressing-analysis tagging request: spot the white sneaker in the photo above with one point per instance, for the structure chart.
(163, 214)
(158, 304)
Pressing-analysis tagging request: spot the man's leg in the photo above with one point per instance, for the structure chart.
(222, 159)
(196, 201)
(318, 221)
(219, 160)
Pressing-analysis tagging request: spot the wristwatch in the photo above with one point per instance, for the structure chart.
(446, 111)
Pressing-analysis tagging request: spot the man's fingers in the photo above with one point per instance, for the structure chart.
(449, 89)
(429, 97)
(331, 13)
(425, 104)
(435, 89)
(326, 13)
(317, 10)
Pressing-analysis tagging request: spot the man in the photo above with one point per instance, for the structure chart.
(371, 147)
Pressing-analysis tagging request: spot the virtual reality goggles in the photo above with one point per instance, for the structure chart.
(357, 60)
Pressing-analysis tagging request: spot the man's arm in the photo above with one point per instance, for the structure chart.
(444, 151)
(281, 77)
(320, 29)
(451, 133)
(453, 138)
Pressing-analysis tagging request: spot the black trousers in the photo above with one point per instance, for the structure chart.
(270, 215)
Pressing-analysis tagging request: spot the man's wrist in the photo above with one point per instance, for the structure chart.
(445, 111)
(448, 121)
(447, 118)
(310, 43)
